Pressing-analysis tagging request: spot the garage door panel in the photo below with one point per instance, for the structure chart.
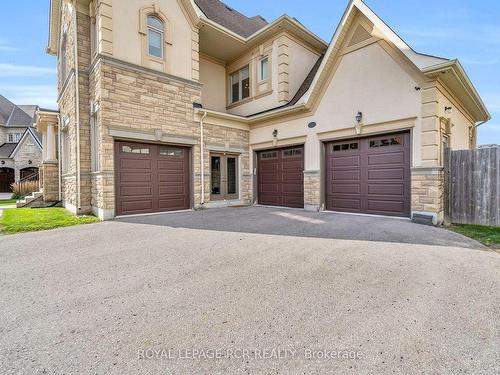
(346, 188)
(350, 175)
(155, 179)
(346, 161)
(171, 204)
(386, 174)
(139, 164)
(389, 189)
(378, 180)
(293, 188)
(136, 206)
(136, 177)
(281, 177)
(346, 203)
(136, 191)
(295, 165)
(394, 158)
(382, 206)
(270, 188)
(171, 165)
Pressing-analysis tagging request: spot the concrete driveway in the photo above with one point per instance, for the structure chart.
(159, 295)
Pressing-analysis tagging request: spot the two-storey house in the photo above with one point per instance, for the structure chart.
(178, 104)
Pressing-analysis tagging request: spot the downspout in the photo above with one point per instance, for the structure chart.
(59, 156)
(475, 131)
(77, 109)
(202, 150)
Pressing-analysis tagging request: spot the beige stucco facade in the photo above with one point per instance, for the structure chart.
(123, 93)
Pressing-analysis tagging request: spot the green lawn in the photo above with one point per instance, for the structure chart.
(490, 236)
(9, 202)
(18, 220)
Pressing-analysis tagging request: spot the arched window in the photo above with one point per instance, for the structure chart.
(156, 36)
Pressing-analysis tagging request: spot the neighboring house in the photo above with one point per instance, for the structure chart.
(20, 143)
(182, 104)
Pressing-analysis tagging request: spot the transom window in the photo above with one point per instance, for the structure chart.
(264, 69)
(156, 30)
(386, 142)
(135, 150)
(269, 155)
(240, 85)
(170, 151)
(345, 147)
(293, 152)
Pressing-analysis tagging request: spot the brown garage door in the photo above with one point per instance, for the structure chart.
(6, 180)
(369, 175)
(281, 177)
(151, 178)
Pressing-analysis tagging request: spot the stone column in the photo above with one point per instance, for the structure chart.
(50, 145)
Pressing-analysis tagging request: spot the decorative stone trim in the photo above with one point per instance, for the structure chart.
(151, 136)
(140, 69)
(283, 70)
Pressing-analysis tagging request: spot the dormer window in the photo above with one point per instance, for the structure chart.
(240, 85)
(156, 30)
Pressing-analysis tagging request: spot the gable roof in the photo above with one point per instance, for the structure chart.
(27, 133)
(16, 116)
(229, 18)
(427, 64)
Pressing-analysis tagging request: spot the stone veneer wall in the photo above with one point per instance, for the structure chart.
(141, 101)
(427, 192)
(67, 107)
(312, 190)
(50, 181)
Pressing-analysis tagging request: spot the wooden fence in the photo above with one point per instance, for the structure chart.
(472, 186)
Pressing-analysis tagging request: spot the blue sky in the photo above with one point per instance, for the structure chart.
(464, 29)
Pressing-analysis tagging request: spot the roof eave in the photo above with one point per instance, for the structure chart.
(54, 15)
(284, 20)
(461, 76)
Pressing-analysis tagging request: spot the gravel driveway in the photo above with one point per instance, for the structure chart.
(126, 297)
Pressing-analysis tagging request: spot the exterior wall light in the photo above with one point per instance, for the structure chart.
(448, 110)
(30, 162)
(3, 162)
(275, 133)
(359, 119)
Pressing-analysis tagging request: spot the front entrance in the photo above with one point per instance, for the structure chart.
(6, 179)
(224, 177)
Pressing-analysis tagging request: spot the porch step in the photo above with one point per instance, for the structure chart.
(29, 199)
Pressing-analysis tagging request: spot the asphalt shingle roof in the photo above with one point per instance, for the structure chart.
(231, 19)
(6, 149)
(304, 87)
(13, 115)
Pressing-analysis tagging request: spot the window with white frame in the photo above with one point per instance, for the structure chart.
(264, 69)
(156, 37)
(14, 137)
(240, 85)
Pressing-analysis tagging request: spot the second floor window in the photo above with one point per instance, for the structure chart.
(156, 32)
(264, 69)
(240, 85)
(14, 137)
